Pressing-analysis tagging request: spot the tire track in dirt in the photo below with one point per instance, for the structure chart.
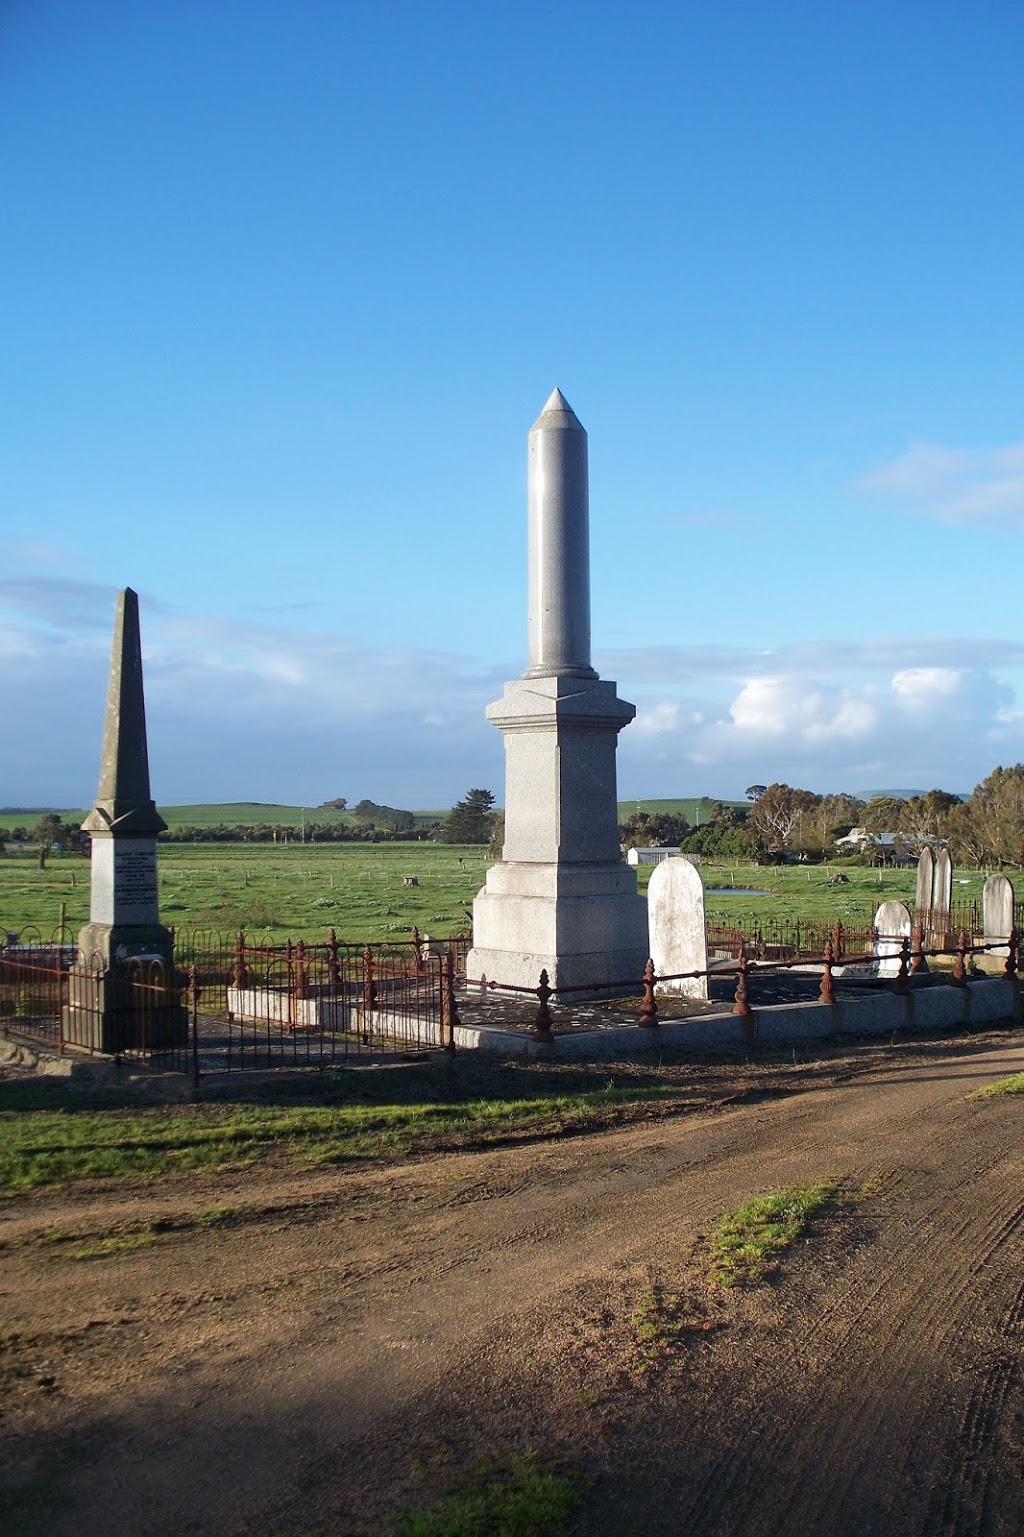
(413, 1298)
(915, 1309)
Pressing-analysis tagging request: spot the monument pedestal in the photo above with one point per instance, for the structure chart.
(126, 1007)
(562, 900)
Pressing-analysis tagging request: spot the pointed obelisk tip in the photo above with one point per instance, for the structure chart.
(124, 793)
(558, 412)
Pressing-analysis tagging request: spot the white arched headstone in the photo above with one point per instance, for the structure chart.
(679, 940)
(997, 913)
(942, 891)
(925, 885)
(892, 926)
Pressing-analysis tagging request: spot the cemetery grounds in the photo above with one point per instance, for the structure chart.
(780, 1291)
(302, 890)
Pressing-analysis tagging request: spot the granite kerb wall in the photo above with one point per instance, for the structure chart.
(986, 1001)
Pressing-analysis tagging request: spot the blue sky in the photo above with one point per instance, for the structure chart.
(283, 286)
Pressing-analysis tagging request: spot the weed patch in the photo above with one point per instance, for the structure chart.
(1012, 1085)
(498, 1498)
(745, 1242)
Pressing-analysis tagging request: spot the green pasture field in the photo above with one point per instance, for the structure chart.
(293, 891)
(688, 806)
(302, 890)
(256, 813)
(229, 814)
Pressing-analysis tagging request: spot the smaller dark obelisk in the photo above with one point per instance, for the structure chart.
(124, 914)
(120, 989)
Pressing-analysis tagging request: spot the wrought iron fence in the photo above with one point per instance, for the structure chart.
(233, 1002)
(136, 1011)
(263, 1004)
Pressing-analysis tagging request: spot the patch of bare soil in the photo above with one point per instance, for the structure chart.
(338, 1344)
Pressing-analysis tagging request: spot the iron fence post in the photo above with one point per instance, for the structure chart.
(1010, 965)
(194, 1011)
(827, 993)
(649, 1006)
(450, 1005)
(902, 982)
(239, 975)
(301, 971)
(742, 1004)
(960, 964)
(333, 973)
(542, 1019)
(369, 985)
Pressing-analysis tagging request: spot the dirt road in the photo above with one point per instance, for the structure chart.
(326, 1351)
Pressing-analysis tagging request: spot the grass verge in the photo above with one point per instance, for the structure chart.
(51, 1146)
(745, 1242)
(1012, 1085)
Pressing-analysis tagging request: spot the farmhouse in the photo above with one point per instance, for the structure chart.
(649, 856)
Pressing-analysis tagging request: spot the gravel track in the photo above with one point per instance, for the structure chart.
(297, 1369)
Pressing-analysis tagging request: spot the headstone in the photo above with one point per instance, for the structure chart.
(997, 913)
(942, 892)
(561, 899)
(675, 914)
(892, 925)
(925, 885)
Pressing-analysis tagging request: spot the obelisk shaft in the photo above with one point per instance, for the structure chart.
(561, 900)
(123, 801)
(559, 545)
(124, 912)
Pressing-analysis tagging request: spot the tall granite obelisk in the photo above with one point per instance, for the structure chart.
(562, 899)
(111, 1003)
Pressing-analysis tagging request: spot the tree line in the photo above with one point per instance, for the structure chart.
(985, 829)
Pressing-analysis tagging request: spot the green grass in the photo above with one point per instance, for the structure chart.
(514, 1497)
(658, 1320)
(40, 1145)
(695, 808)
(298, 890)
(302, 890)
(745, 1242)
(1012, 1085)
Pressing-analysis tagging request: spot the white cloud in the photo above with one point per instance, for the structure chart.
(260, 710)
(959, 486)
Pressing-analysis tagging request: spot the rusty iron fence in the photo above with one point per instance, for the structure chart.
(263, 1004)
(49, 996)
(236, 1002)
(231, 1002)
(895, 964)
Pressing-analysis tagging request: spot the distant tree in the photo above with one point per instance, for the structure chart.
(882, 815)
(388, 818)
(653, 830)
(927, 816)
(497, 840)
(47, 833)
(470, 820)
(997, 814)
(831, 818)
(716, 840)
(754, 792)
(774, 823)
